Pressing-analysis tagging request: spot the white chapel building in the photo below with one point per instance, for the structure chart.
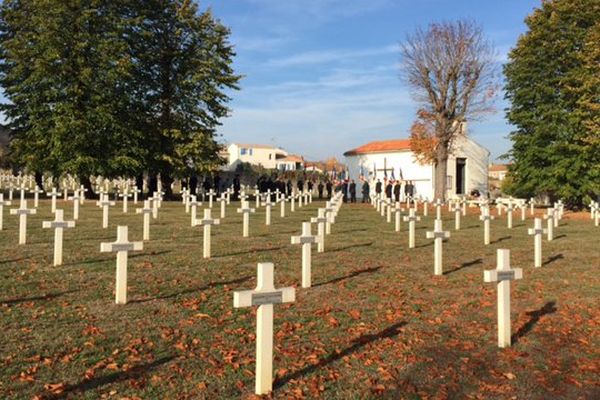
(467, 166)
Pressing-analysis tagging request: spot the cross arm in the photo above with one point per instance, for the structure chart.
(248, 298)
(495, 275)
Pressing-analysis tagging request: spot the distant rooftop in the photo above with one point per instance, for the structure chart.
(381, 146)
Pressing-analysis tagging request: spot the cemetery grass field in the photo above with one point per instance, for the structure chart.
(376, 323)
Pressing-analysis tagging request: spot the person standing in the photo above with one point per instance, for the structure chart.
(388, 190)
(352, 190)
(345, 191)
(329, 187)
(378, 187)
(397, 191)
(365, 192)
(320, 190)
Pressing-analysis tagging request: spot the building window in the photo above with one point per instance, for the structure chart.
(270, 156)
(249, 152)
(243, 151)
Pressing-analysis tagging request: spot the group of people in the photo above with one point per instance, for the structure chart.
(393, 190)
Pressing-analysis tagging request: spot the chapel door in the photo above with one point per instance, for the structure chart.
(461, 167)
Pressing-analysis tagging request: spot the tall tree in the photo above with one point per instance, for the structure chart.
(451, 70)
(61, 65)
(183, 68)
(552, 83)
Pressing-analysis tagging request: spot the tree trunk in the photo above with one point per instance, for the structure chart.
(87, 184)
(193, 183)
(441, 170)
(152, 183)
(39, 179)
(167, 180)
(139, 182)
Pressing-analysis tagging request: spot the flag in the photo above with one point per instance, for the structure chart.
(361, 175)
(393, 177)
(400, 174)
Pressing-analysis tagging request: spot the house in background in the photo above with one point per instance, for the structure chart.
(498, 171)
(381, 160)
(266, 156)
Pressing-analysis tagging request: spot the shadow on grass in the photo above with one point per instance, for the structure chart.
(48, 296)
(501, 239)
(250, 252)
(13, 260)
(280, 233)
(367, 244)
(193, 290)
(109, 258)
(352, 231)
(464, 265)
(553, 258)
(534, 317)
(426, 245)
(351, 275)
(560, 236)
(359, 342)
(90, 384)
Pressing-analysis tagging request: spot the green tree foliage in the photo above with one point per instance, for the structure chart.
(553, 85)
(114, 88)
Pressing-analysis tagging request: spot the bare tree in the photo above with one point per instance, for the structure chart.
(451, 70)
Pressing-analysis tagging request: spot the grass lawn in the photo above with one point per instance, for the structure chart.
(376, 323)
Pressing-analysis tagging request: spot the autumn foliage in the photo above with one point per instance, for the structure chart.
(422, 138)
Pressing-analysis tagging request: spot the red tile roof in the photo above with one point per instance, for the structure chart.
(382, 146)
(498, 167)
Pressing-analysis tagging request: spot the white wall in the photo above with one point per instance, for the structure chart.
(411, 169)
(476, 174)
(260, 155)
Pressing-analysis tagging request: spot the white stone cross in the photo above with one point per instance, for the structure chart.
(425, 208)
(207, 222)
(398, 215)
(531, 206)
(438, 208)
(122, 246)
(146, 210)
(509, 215)
(22, 190)
(76, 204)
(2, 204)
(320, 220)
(268, 204)
(388, 205)
(135, 191)
(257, 196)
(59, 224)
(22, 212)
(486, 218)
(54, 194)
(503, 274)
(438, 235)
(330, 214)
(246, 210)
(306, 240)
(463, 203)
(223, 201)
(537, 233)
(411, 218)
(211, 193)
(292, 199)
(550, 218)
(281, 202)
(36, 196)
(125, 195)
(457, 211)
(264, 296)
(193, 204)
(105, 203)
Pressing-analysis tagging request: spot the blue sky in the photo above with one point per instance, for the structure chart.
(322, 76)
